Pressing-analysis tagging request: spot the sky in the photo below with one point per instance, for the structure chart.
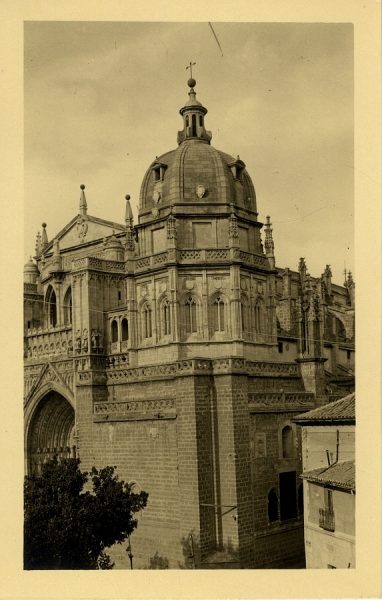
(102, 99)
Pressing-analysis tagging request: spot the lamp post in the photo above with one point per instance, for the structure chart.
(129, 552)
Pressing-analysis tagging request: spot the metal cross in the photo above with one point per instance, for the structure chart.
(190, 67)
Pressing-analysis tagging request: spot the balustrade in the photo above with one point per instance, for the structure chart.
(48, 342)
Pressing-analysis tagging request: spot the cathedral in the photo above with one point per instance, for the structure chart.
(177, 350)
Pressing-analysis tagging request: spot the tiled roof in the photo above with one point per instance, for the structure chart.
(341, 474)
(340, 411)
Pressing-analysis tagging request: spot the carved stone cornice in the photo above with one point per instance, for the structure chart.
(280, 401)
(134, 410)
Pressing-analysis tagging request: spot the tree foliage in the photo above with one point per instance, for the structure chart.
(66, 527)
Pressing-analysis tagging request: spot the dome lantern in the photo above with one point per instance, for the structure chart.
(193, 113)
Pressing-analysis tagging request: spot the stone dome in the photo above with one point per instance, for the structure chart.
(196, 174)
(30, 272)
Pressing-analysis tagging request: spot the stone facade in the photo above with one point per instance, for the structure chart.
(176, 350)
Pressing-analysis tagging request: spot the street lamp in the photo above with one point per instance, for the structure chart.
(129, 552)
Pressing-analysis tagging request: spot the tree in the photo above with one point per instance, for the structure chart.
(66, 527)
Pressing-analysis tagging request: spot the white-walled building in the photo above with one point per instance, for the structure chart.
(328, 455)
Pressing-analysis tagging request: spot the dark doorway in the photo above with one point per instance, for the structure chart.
(288, 499)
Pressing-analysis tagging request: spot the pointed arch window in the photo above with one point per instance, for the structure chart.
(244, 316)
(218, 314)
(51, 303)
(166, 315)
(68, 311)
(273, 506)
(147, 321)
(125, 329)
(190, 307)
(287, 441)
(258, 317)
(114, 331)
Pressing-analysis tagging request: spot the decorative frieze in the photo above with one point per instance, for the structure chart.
(280, 401)
(177, 369)
(160, 408)
(267, 369)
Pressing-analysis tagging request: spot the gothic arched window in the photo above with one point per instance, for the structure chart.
(166, 314)
(68, 307)
(125, 329)
(244, 316)
(257, 313)
(114, 331)
(273, 506)
(190, 307)
(51, 304)
(287, 441)
(147, 321)
(218, 314)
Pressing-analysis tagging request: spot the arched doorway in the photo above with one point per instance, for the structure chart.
(51, 432)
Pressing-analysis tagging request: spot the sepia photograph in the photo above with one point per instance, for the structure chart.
(191, 214)
(189, 296)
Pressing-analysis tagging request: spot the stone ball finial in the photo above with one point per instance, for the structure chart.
(127, 197)
(43, 225)
(191, 82)
(82, 187)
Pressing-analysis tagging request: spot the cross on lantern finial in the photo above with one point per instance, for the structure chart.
(190, 67)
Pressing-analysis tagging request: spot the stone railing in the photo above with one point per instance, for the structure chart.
(159, 259)
(294, 401)
(98, 264)
(143, 263)
(67, 260)
(253, 259)
(118, 347)
(134, 410)
(210, 254)
(190, 255)
(42, 343)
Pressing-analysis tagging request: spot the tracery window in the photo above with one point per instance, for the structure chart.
(257, 313)
(166, 315)
(190, 309)
(218, 314)
(147, 321)
(68, 307)
(244, 316)
(51, 304)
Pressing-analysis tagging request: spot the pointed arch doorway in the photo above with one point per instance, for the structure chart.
(51, 432)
